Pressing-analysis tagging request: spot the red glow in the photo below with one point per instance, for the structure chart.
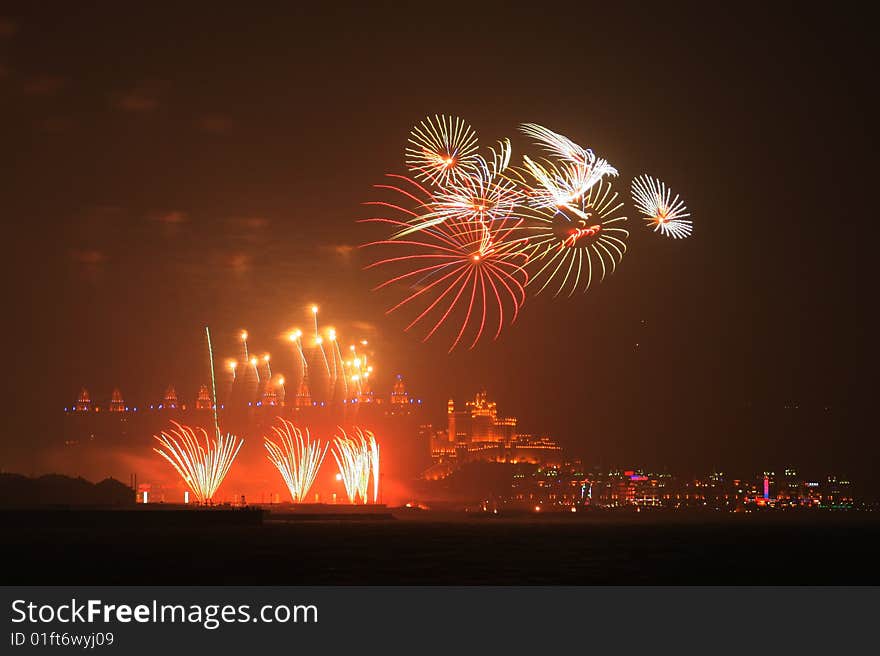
(577, 233)
(456, 280)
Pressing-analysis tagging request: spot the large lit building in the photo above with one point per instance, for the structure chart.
(396, 419)
(476, 433)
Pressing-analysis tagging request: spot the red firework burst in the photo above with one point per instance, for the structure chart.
(457, 270)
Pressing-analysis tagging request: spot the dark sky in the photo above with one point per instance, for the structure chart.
(171, 165)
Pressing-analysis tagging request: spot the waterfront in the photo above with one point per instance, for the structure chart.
(433, 548)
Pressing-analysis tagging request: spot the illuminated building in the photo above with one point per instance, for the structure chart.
(303, 395)
(400, 402)
(838, 493)
(791, 490)
(478, 422)
(630, 488)
(483, 415)
(270, 396)
(399, 394)
(84, 402)
(767, 486)
(567, 487)
(478, 433)
(117, 404)
(170, 402)
(561, 488)
(395, 419)
(203, 400)
(451, 431)
(504, 430)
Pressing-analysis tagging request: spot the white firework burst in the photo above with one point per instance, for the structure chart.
(563, 183)
(668, 215)
(569, 247)
(556, 144)
(442, 148)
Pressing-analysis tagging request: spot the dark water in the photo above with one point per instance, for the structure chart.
(817, 549)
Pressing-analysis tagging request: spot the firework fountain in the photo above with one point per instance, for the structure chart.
(358, 460)
(296, 456)
(202, 462)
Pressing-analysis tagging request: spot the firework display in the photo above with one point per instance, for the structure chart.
(668, 215)
(441, 149)
(202, 462)
(469, 232)
(565, 181)
(358, 460)
(466, 270)
(485, 195)
(325, 369)
(296, 456)
(570, 247)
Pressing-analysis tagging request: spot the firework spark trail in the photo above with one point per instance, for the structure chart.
(331, 336)
(565, 243)
(556, 144)
(283, 393)
(319, 341)
(567, 181)
(268, 367)
(560, 185)
(296, 457)
(668, 215)
(337, 365)
(354, 369)
(232, 365)
(359, 368)
(337, 357)
(319, 345)
(244, 338)
(296, 338)
(470, 262)
(202, 468)
(441, 148)
(214, 408)
(358, 461)
(374, 464)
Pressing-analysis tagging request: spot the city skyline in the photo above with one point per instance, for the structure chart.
(482, 439)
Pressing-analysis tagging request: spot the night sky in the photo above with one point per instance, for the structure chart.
(167, 167)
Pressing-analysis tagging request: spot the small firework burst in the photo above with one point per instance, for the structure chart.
(668, 215)
(441, 149)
